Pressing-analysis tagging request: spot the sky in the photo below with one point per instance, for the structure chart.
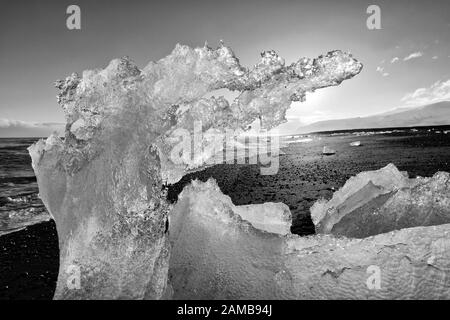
(406, 62)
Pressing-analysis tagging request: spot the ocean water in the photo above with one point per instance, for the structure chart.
(20, 205)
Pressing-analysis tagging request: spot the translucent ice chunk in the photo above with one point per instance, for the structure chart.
(218, 255)
(389, 201)
(271, 217)
(103, 183)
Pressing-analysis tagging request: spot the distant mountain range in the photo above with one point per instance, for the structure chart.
(429, 115)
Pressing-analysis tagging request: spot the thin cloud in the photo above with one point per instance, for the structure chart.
(439, 91)
(413, 55)
(17, 128)
(435, 58)
(8, 123)
(395, 59)
(381, 71)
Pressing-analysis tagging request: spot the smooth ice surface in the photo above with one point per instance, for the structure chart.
(357, 191)
(269, 216)
(216, 254)
(103, 183)
(380, 201)
(328, 151)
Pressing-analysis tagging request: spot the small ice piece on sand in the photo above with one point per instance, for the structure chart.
(355, 144)
(328, 151)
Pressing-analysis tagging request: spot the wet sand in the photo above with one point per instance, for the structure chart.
(29, 262)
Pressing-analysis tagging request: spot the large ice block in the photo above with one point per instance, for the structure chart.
(103, 183)
(216, 254)
(384, 200)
